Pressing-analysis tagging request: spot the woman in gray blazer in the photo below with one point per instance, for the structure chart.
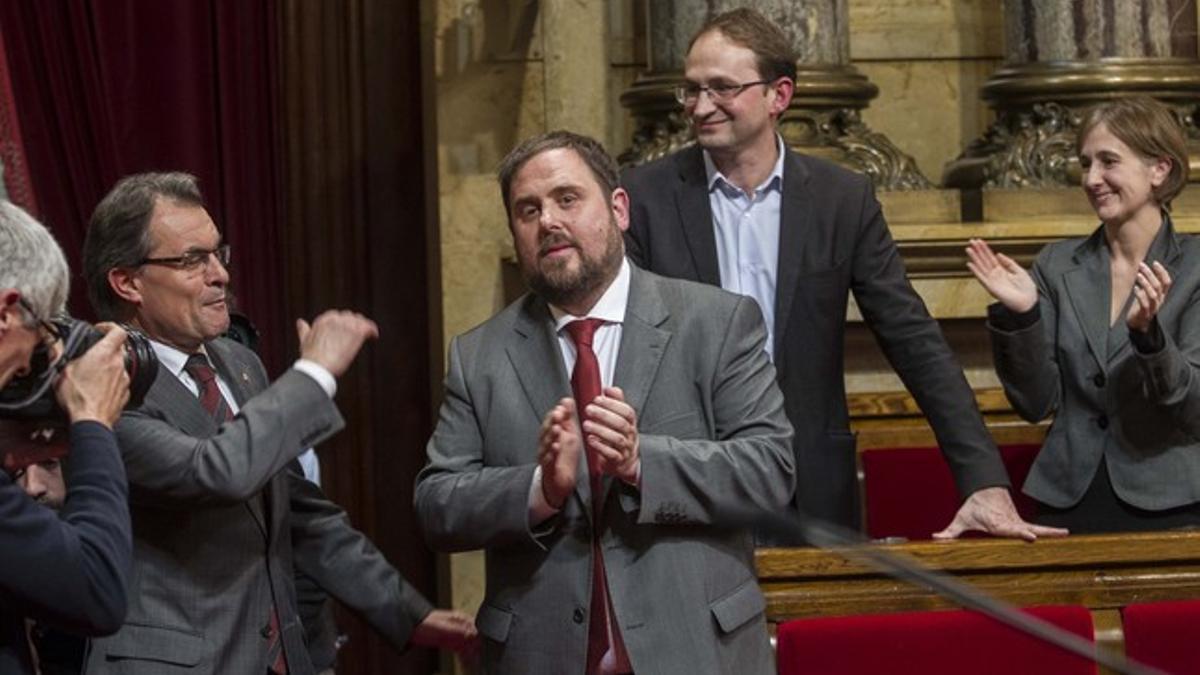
(1104, 334)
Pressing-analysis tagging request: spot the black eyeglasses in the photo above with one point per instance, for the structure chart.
(689, 94)
(50, 333)
(192, 260)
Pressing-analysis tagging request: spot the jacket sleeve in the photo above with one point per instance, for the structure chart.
(71, 569)
(1024, 356)
(913, 343)
(169, 467)
(461, 504)
(348, 566)
(1171, 376)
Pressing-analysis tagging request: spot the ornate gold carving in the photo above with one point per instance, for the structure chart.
(1035, 148)
(841, 136)
(1040, 106)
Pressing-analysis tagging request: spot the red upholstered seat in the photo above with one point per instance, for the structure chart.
(910, 493)
(950, 642)
(1164, 635)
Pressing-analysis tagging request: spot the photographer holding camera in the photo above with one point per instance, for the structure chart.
(68, 569)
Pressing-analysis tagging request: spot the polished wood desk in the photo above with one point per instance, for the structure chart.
(1100, 572)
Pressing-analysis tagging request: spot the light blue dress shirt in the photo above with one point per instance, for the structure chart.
(746, 228)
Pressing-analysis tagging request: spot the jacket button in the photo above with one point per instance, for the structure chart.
(1102, 421)
(577, 617)
(1099, 379)
(266, 631)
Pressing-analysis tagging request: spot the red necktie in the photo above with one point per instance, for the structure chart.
(214, 402)
(603, 633)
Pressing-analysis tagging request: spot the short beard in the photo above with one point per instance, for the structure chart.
(563, 288)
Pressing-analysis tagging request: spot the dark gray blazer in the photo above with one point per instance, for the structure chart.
(1139, 413)
(679, 559)
(833, 240)
(219, 522)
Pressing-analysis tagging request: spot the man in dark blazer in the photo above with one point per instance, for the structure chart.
(66, 570)
(799, 234)
(620, 543)
(222, 517)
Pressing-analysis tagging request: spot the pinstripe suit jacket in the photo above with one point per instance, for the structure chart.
(220, 522)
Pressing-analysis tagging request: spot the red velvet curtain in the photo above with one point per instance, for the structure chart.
(113, 87)
(12, 149)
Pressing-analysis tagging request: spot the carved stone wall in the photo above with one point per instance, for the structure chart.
(1064, 56)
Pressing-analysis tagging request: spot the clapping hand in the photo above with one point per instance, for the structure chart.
(1149, 293)
(611, 432)
(559, 446)
(1007, 281)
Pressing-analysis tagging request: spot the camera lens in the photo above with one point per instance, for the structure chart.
(32, 396)
(141, 363)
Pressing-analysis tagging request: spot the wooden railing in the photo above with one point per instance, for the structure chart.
(1100, 572)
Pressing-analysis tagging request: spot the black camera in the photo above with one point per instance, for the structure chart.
(31, 396)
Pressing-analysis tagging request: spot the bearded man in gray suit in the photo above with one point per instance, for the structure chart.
(613, 514)
(222, 517)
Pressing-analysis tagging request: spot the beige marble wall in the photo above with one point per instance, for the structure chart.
(929, 59)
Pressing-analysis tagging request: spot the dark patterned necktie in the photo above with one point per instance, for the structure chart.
(603, 632)
(214, 402)
(210, 394)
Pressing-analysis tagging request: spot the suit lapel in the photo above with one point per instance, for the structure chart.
(1089, 290)
(180, 406)
(794, 226)
(235, 371)
(537, 361)
(695, 215)
(236, 374)
(642, 341)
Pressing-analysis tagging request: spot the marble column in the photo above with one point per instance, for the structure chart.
(1063, 56)
(824, 117)
(577, 63)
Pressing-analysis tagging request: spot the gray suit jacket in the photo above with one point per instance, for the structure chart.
(1139, 413)
(833, 240)
(714, 447)
(220, 522)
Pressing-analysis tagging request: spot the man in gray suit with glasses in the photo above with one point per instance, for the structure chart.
(222, 515)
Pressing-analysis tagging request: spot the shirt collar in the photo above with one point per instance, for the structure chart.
(610, 308)
(171, 358)
(774, 180)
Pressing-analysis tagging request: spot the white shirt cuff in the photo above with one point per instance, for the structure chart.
(539, 508)
(318, 372)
